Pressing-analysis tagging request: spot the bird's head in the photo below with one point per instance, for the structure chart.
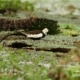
(45, 31)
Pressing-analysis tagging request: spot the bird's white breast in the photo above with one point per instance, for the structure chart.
(35, 35)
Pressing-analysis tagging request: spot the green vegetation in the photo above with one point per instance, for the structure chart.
(69, 29)
(28, 65)
(40, 61)
(16, 4)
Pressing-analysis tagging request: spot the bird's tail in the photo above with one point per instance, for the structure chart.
(15, 33)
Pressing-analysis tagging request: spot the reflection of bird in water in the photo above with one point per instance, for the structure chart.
(35, 34)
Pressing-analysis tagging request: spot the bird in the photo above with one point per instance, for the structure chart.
(37, 34)
(34, 34)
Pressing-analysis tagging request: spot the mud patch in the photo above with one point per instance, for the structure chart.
(61, 50)
(25, 46)
(18, 45)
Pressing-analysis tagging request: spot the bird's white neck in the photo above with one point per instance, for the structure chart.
(45, 31)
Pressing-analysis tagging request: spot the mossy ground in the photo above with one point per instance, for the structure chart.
(39, 61)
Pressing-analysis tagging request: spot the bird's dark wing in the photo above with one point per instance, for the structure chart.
(34, 32)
